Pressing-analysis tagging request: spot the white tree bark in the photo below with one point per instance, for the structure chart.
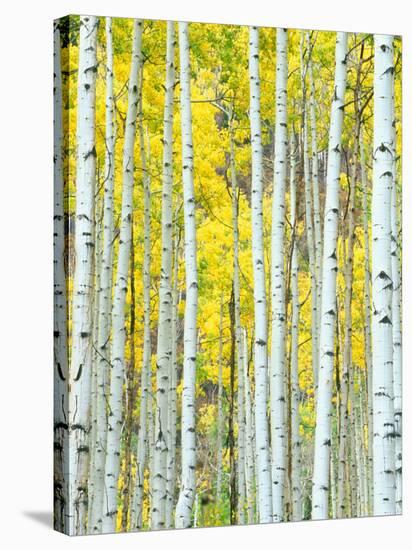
(241, 487)
(188, 482)
(294, 346)
(117, 352)
(250, 442)
(145, 411)
(164, 335)
(81, 338)
(397, 325)
(277, 357)
(320, 485)
(60, 420)
(219, 438)
(382, 283)
(259, 292)
(105, 295)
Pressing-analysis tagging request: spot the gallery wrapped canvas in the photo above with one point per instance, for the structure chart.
(227, 275)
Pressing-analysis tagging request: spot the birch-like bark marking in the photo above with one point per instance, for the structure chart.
(82, 337)
(145, 411)
(60, 420)
(296, 460)
(259, 291)
(320, 485)
(277, 358)
(241, 488)
(105, 295)
(117, 352)
(219, 438)
(188, 481)
(249, 429)
(396, 324)
(382, 283)
(164, 334)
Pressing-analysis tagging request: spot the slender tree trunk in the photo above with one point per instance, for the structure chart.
(105, 296)
(249, 439)
(396, 324)
(233, 503)
(368, 329)
(82, 336)
(164, 335)
(171, 454)
(219, 410)
(309, 224)
(277, 371)
(188, 482)
(320, 482)
(294, 346)
(115, 418)
(241, 501)
(259, 291)
(60, 420)
(145, 411)
(382, 283)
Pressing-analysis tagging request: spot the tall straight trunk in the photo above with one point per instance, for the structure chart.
(61, 469)
(320, 482)
(117, 352)
(171, 452)
(367, 328)
(315, 184)
(309, 223)
(382, 283)
(233, 504)
(277, 358)
(219, 439)
(296, 459)
(241, 501)
(164, 334)
(249, 440)
(82, 337)
(396, 323)
(188, 482)
(145, 410)
(259, 291)
(130, 395)
(105, 296)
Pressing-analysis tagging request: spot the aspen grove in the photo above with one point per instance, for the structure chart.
(227, 275)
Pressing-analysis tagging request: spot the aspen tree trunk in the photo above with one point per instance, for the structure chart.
(105, 296)
(259, 291)
(368, 329)
(309, 225)
(320, 482)
(315, 186)
(117, 354)
(219, 409)
(188, 482)
(145, 411)
(249, 440)
(82, 337)
(231, 431)
(277, 371)
(396, 324)
(164, 335)
(60, 421)
(238, 335)
(382, 283)
(171, 454)
(294, 344)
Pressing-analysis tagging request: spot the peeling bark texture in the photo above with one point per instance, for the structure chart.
(278, 350)
(183, 517)
(117, 352)
(82, 337)
(320, 481)
(382, 282)
(259, 292)
(164, 334)
(60, 419)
